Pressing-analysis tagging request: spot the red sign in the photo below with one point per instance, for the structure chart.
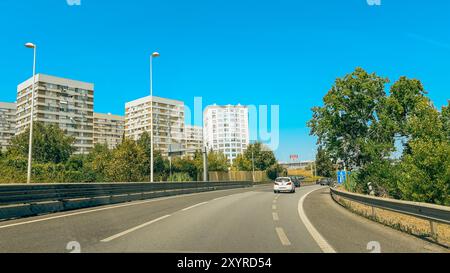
(294, 157)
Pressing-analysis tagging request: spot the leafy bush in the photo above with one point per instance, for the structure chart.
(180, 177)
(275, 171)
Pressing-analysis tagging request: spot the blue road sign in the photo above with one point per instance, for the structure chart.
(341, 177)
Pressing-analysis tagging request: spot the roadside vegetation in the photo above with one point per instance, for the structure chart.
(388, 135)
(263, 158)
(54, 161)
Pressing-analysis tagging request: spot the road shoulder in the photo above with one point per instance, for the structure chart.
(350, 233)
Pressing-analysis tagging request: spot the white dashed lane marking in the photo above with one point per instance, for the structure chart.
(283, 238)
(275, 216)
(109, 239)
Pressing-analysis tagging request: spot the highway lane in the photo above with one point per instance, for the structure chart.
(238, 223)
(51, 233)
(239, 220)
(350, 233)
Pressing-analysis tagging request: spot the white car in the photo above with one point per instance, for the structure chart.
(283, 184)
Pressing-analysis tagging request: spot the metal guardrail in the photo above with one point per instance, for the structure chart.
(23, 194)
(433, 213)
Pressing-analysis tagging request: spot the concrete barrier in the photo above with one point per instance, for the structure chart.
(76, 203)
(15, 211)
(47, 207)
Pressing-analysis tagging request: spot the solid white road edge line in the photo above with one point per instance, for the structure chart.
(109, 239)
(283, 238)
(191, 207)
(323, 244)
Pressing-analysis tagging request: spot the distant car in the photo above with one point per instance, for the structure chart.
(325, 181)
(283, 184)
(296, 180)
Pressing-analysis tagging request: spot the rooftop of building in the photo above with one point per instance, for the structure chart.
(155, 99)
(8, 105)
(108, 116)
(56, 80)
(229, 106)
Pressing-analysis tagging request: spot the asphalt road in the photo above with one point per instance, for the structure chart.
(241, 220)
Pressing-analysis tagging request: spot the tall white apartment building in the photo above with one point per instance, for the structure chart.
(226, 129)
(193, 139)
(168, 121)
(7, 123)
(66, 103)
(108, 129)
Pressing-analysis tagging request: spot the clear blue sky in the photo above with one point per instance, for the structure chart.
(227, 51)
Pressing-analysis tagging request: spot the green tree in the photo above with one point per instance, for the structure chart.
(145, 143)
(75, 163)
(343, 123)
(425, 172)
(360, 124)
(445, 118)
(97, 163)
(217, 161)
(126, 162)
(425, 168)
(184, 166)
(324, 164)
(13, 169)
(242, 163)
(406, 102)
(263, 158)
(405, 96)
(160, 164)
(425, 123)
(275, 171)
(50, 144)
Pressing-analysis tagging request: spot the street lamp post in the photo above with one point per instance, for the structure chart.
(314, 164)
(315, 168)
(205, 164)
(30, 144)
(253, 164)
(204, 154)
(170, 147)
(154, 55)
